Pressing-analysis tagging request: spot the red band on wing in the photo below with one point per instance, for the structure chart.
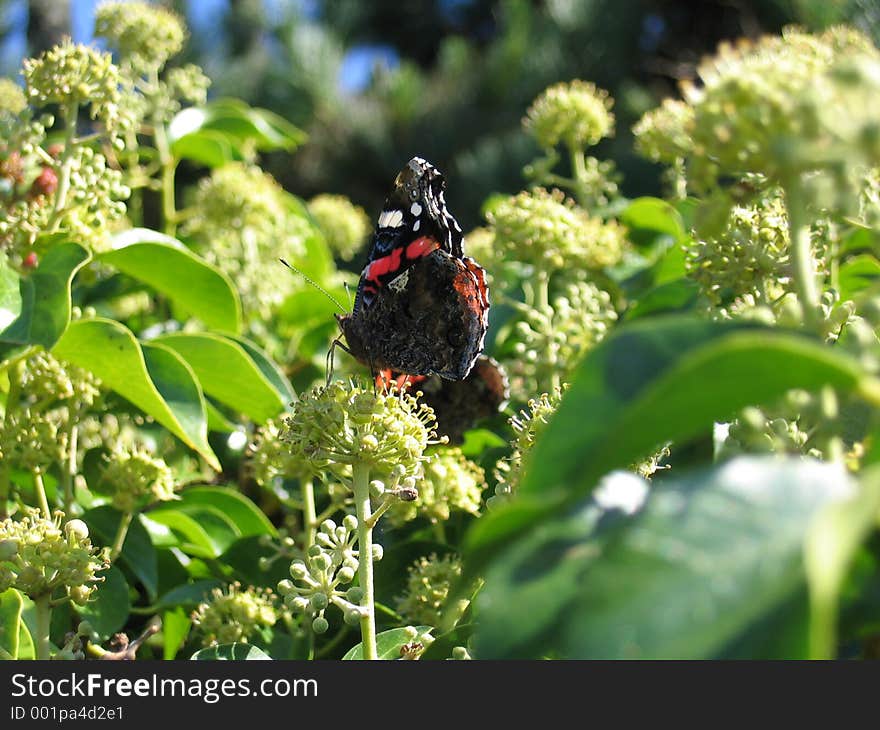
(391, 263)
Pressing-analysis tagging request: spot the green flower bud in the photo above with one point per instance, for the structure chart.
(345, 575)
(320, 625)
(350, 523)
(319, 601)
(270, 458)
(345, 226)
(352, 617)
(377, 551)
(575, 113)
(355, 594)
(298, 570)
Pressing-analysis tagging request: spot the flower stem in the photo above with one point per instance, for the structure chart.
(40, 489)
(121, 533)
(44, 620)
(802, 255)
(68, 473)
(310, 519)
(69, 114)
(579, 167)
(169, 167)
(361, 488)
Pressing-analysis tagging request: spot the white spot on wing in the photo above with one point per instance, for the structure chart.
(390, 219)
(417, 225)
(416, 209)
(398, 283)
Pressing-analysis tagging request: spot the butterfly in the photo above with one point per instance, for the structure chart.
(422, 306)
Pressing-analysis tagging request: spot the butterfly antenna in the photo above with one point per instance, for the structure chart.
(316, 285)
(348, 292)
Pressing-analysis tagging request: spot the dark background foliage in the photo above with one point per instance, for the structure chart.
(381, 81)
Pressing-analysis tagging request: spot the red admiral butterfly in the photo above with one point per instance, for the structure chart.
(421, 306)
(457, 404)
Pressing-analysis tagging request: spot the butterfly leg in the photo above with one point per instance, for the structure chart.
(330, 356)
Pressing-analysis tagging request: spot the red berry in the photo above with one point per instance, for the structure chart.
(55, 150)
(46, 182)
(30, 261)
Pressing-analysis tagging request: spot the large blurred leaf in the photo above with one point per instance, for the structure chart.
(653, 381)
(175, 628)
(169, 267)
(672, 296)
(229, 374)
(710, 559)
(858, 273)
(832, 544)
(155, 379)
(648, 219)
(35, 309)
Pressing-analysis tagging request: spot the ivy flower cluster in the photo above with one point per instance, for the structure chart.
(345, 225)
(428, 584)
(545, 229)
(336, 426)
(40, 556)
(242, 218)
(576, 113)
(145, 36)
(451, 482)
(135, 476)
(236, 615)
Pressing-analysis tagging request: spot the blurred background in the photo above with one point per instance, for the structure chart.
(377, 82)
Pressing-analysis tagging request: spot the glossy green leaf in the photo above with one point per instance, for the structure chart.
(183, 531)
(653, 381)
(714, 559)
(170, 268)
(648, 218)
(109, 607)
(247, 518)
(228, 373)
(388, 643)
(207, 147)
(175, 628)
(239, 123)
(138, 554)
(270, 369)
(230, 652)
(10, 623)
(857, 274)
(154, 379)
(189, 594)
(673, 296)
(40, 312)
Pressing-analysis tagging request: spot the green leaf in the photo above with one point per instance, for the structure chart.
(183, 531)
(247, 518)
(857, 274)
(175, 629)
(388, 643)
(169, 267)
(229, 374)
(210, 148)
(40, 313)
(189, 594)
(832, 544)
(653, 381)
(713, 560)
(138, 553)
(10, 622)
(647, 219)
(144, 377)
(673, 296)
(230, 652)
(271, 371)
(238, 123)
(109, 608)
